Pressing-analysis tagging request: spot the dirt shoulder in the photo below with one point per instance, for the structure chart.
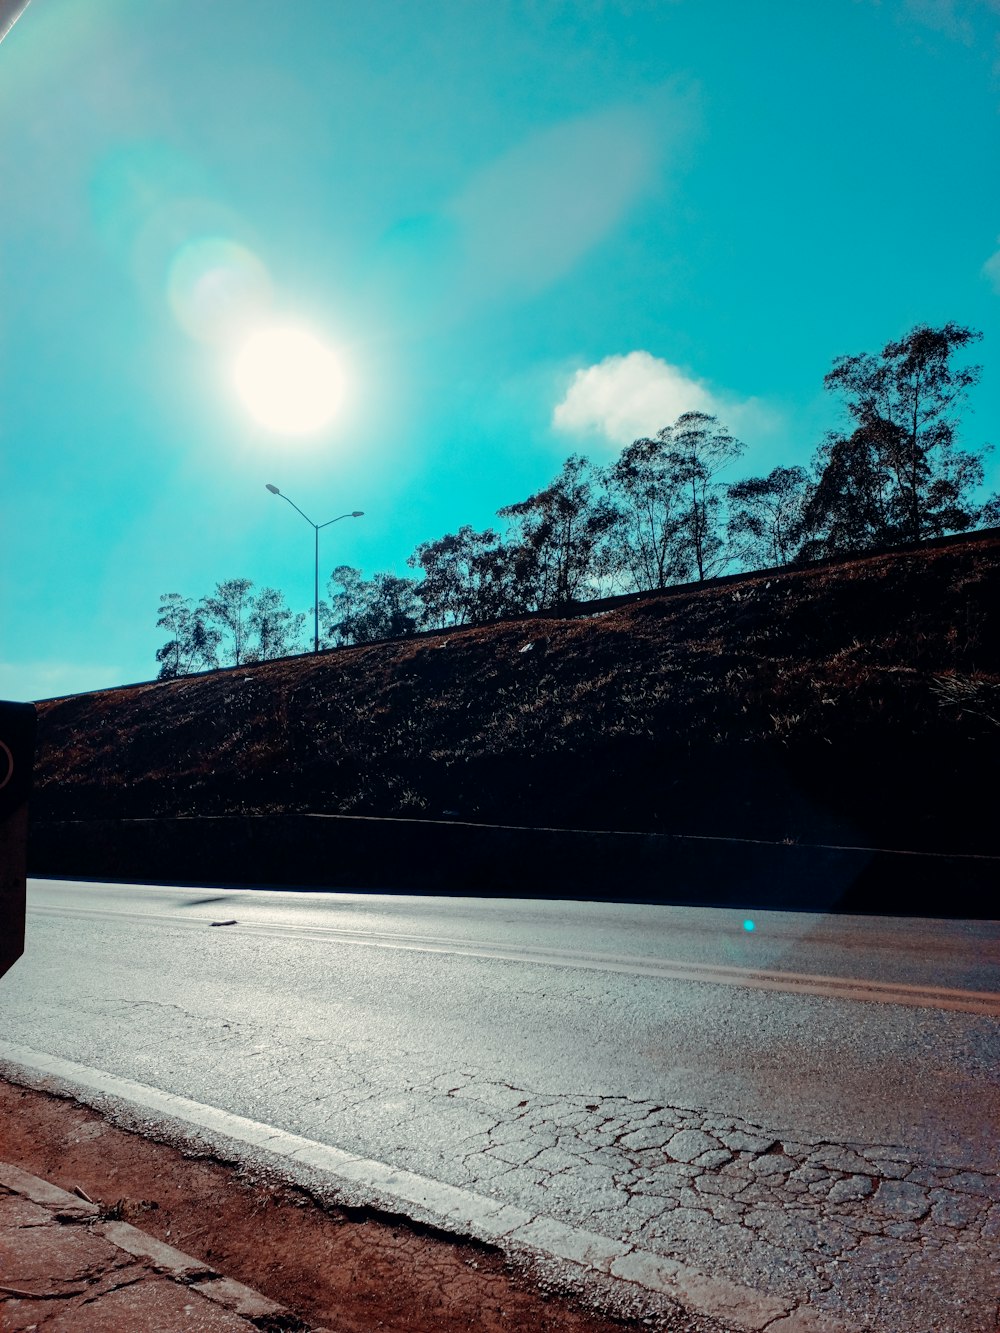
(346, 1267)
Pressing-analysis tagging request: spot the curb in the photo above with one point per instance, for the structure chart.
(192, 1273)
(458, 1211)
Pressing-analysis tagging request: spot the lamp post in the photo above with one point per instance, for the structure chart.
(355, 513)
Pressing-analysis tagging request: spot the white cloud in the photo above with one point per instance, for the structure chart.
(972, 23)
(627, 397)
(966, 21)
(28, 681)
(991, 270)
(949, 17)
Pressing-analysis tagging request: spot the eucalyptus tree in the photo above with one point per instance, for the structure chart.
(699, 449)
(766, 514)
(391, 608)
(850, 504)
(557, 538)
(336, 616)
(462, 577)
(276, 631)
(193, 644)
(646, 490)
(382, 607)
(229, 609)
(905, 403)
(231, 627)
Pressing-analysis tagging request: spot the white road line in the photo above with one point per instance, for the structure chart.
(447, 1206)
(795, 983)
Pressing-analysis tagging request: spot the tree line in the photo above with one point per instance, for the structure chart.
(660, 514)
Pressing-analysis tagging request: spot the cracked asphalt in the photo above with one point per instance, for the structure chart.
(849, 1228)
(832, 1150)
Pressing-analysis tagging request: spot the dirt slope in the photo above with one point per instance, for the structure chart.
(853, 703)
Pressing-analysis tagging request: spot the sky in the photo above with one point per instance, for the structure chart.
(500, 233)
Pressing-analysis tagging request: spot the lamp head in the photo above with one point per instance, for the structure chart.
(358, 513)
(273, 489)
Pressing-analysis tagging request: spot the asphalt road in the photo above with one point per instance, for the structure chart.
(540, 1053)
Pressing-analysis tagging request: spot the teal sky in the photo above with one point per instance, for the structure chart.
(526, 229)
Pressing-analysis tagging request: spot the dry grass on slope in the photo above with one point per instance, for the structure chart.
(848, 702)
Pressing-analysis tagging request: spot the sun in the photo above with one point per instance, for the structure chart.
(288, 379)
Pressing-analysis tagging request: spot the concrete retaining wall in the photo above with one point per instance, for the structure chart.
(419, 856)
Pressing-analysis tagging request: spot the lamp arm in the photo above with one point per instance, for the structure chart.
(295, 506)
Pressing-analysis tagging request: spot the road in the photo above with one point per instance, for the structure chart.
(802, 1104)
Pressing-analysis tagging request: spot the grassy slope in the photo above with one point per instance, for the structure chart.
(801, 706)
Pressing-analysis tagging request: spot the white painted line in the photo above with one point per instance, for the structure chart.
(794, 983)
(449, 1206)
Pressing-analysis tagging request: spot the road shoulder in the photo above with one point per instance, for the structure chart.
(337, 1268)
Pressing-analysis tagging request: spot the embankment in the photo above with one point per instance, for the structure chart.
(849, 705)
(423, 856)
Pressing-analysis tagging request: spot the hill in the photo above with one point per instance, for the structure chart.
(854, 703)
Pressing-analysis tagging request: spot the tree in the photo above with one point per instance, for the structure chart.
(460, 582)
(557, 537)
(175, 617)
(849, 506)
(905, 404)
(193, 644)
(645, 486)
(506, 579)
(391, 610)
(766, 514)
(258, 629)
(383, 607)
(699, 449)
(337, 616)
(275, 628)
(230, 608)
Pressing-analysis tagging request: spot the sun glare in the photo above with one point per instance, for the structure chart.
(288, 379)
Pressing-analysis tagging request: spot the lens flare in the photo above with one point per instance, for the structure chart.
(217, 289)
(288, 379)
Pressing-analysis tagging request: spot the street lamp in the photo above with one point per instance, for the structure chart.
(355, 513)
